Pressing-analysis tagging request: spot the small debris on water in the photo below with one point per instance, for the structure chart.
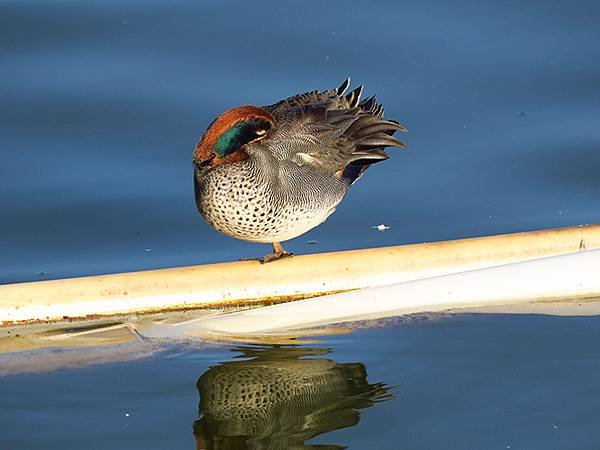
(522, 114)
(380, 227)
(126, 414)
(555, 427)
(312, 242)
(148, 250)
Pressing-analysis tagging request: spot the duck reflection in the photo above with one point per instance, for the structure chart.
(280, 398)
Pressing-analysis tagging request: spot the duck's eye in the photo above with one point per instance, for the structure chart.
(261, 132)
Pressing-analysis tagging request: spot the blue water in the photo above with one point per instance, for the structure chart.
(101, 104)
(103, 101)
(485, 382)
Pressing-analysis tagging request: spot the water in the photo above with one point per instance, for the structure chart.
(474, 381)
(103, 101)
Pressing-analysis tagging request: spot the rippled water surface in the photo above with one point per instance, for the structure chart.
(101, 105)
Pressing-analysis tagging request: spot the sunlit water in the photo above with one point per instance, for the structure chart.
(490, 382)
(101, 105)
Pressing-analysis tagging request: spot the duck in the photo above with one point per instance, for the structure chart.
(268, 174)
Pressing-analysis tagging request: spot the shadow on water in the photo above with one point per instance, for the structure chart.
(280, 398)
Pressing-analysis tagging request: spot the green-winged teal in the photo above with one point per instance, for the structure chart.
(272, 173)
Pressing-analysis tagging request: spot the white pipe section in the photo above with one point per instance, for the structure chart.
(571, 276)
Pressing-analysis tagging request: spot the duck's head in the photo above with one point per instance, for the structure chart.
(225, 138)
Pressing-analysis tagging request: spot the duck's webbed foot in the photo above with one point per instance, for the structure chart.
(278, 253)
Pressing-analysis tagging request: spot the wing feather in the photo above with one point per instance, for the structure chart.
(331, 130)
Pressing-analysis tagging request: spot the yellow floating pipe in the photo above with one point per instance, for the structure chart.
(574, 277)
(218, 285)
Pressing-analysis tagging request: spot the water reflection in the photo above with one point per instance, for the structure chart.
(280, 398)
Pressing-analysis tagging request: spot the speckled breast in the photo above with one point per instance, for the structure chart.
(251, 207)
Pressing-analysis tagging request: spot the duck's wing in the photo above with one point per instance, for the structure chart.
(281, 109)
(333, 132)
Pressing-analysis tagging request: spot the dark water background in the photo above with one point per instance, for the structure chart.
(101, 103)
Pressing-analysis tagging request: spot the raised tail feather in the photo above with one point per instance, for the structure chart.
(370, 132)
